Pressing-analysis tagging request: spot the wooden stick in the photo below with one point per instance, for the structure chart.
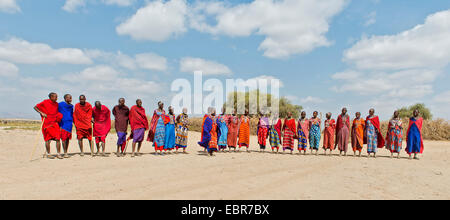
(93, 140)
(37, 140)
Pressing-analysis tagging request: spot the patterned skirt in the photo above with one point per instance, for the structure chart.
(274, 138)
(314, 137)
(182, 137)
(262, 136)
(372, 139)
(288, 140)
(395, 139)
(160, 135)
(302, 140)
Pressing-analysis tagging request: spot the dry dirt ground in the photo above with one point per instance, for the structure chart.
(238, 176)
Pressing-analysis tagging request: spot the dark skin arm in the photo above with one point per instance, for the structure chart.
(39, 111)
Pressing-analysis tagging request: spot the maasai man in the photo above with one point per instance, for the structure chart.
(182, 130)
(48, 109)
(209, 134)
(303, 133)
(329, 133)
(290, 133)
(66, 124)
(82, 116)
(244, 131)
(263, 131)
(275, 133)
(343, 132)
(102, 125)
(315, 132)
(374, 138)
(121, 114)
(358, 133)
(138, 124)
(394, 136)
(414, 140)
(222, 131)
(157, 133)
(169, 142)
(233, 128)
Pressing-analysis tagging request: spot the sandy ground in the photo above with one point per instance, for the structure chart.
(225, 176)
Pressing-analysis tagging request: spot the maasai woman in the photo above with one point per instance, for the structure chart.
(157, 133)
(394, 136)
(222, 131)
(169, 142)
(275, 133)
(314, 132)
(328, 133)
(414, 140)
(289, 131)
(343, 132)
(303, 133)
(358, 133)
(209, 135)
(233, 127)
(374, 138)
(182, 130)
(263, 131)
(244, 131)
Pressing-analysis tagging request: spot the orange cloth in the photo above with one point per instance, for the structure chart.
(358, 133)
(82, 116)
(50, 128)
(244, 131)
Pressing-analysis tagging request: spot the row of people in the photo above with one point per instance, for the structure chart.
(168, 132)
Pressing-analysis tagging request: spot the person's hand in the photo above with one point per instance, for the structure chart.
(44, 115)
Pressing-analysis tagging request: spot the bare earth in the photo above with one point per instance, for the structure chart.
(226, 176)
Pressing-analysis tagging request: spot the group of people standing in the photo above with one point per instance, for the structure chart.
(169, 133)
(165, 131)
(337, 134)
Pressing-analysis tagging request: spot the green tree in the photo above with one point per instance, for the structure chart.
(407, 112)
(285, 105)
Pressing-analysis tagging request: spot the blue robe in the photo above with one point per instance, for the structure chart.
(206, 133)
(67, 121)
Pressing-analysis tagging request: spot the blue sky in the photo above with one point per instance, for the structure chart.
(328, 54)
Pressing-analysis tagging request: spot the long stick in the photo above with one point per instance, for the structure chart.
(126, 146)
(93, 140)
(37, 140)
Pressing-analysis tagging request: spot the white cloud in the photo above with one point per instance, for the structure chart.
(423, 46)
(148, 61)
(151, 61)
(20, 51)
(9, 6)
(290, 26)
(190, 65)
(268, 78)
(443, 98)
(98, 73)
(73, 5)
(122, 3)
(8, 69)
(403, 65)
(157, 21)
(371, 18)
(312, 100)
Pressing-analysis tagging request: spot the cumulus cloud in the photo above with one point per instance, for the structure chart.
(9, 6)
(403, 65)
(423, 46)
(157, 21)
(8, 69)
(75, 5)
(148, 61)
(289, 26)
(20, 51)
(191, 64)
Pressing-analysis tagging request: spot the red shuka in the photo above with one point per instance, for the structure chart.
(50, 127)
(82, 116)
(376, 122)
(138, 118)
(102, 121)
